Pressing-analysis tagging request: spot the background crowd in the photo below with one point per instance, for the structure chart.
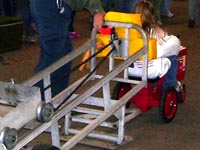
(21, 8)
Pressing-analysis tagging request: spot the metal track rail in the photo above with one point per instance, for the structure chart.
(111, 108)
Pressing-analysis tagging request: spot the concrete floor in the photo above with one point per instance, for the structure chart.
(148, 132)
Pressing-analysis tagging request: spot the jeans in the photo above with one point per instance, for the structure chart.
(126, 6)
(157, 4)
(1, 7)
(193, 9)
(170, 77)
(165, 7)
(54, 39)
(107, 4)
(28, 20)
(71, 25)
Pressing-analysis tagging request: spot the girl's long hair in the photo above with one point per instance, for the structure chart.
(147, 11)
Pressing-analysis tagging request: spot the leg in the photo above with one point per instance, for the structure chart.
(71, 25)
(192, 12)
(165, 8)
(170, 77)
(1, 7)
(29, 32)
(15, 7)
(72, 33)
(157, 4)
(54, 39)
(125, 6)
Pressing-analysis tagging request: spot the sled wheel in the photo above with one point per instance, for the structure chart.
(120, 90)
(45, 112)
(168, 104)
(2, 146)
(9, 137)
(182, 94)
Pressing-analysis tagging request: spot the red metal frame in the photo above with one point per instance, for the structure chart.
(150, 96)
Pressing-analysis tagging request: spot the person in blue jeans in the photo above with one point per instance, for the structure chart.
(29, 31)
(165, 9)
(125, 6)
(72, 33)
(1, 7)
(193, 9)
(52, 19)
(157, 5)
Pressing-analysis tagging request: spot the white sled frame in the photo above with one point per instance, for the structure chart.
(111, 107)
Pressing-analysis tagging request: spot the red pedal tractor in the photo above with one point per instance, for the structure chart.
(154, 95)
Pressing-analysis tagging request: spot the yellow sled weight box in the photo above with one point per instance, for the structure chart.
(135, 40)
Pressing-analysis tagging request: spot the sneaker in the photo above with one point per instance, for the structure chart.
(169, 15)
(159, 22)
(191, 23)
(179, 87)
(29, 39)
(74, 35)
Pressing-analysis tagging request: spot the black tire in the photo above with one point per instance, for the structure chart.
(120, 90)
(168, 104)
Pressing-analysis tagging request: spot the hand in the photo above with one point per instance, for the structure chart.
(98, 20)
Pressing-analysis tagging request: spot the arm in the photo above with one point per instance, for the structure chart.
(93, 6)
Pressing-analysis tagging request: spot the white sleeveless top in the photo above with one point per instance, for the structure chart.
(167, 46)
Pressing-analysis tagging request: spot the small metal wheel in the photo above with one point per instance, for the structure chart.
(120, 90)
(2, 146)
(45, 112)
(168, 104)
(9, 137)
(182, 94)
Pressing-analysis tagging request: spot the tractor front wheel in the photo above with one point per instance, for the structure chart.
(168, 104)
